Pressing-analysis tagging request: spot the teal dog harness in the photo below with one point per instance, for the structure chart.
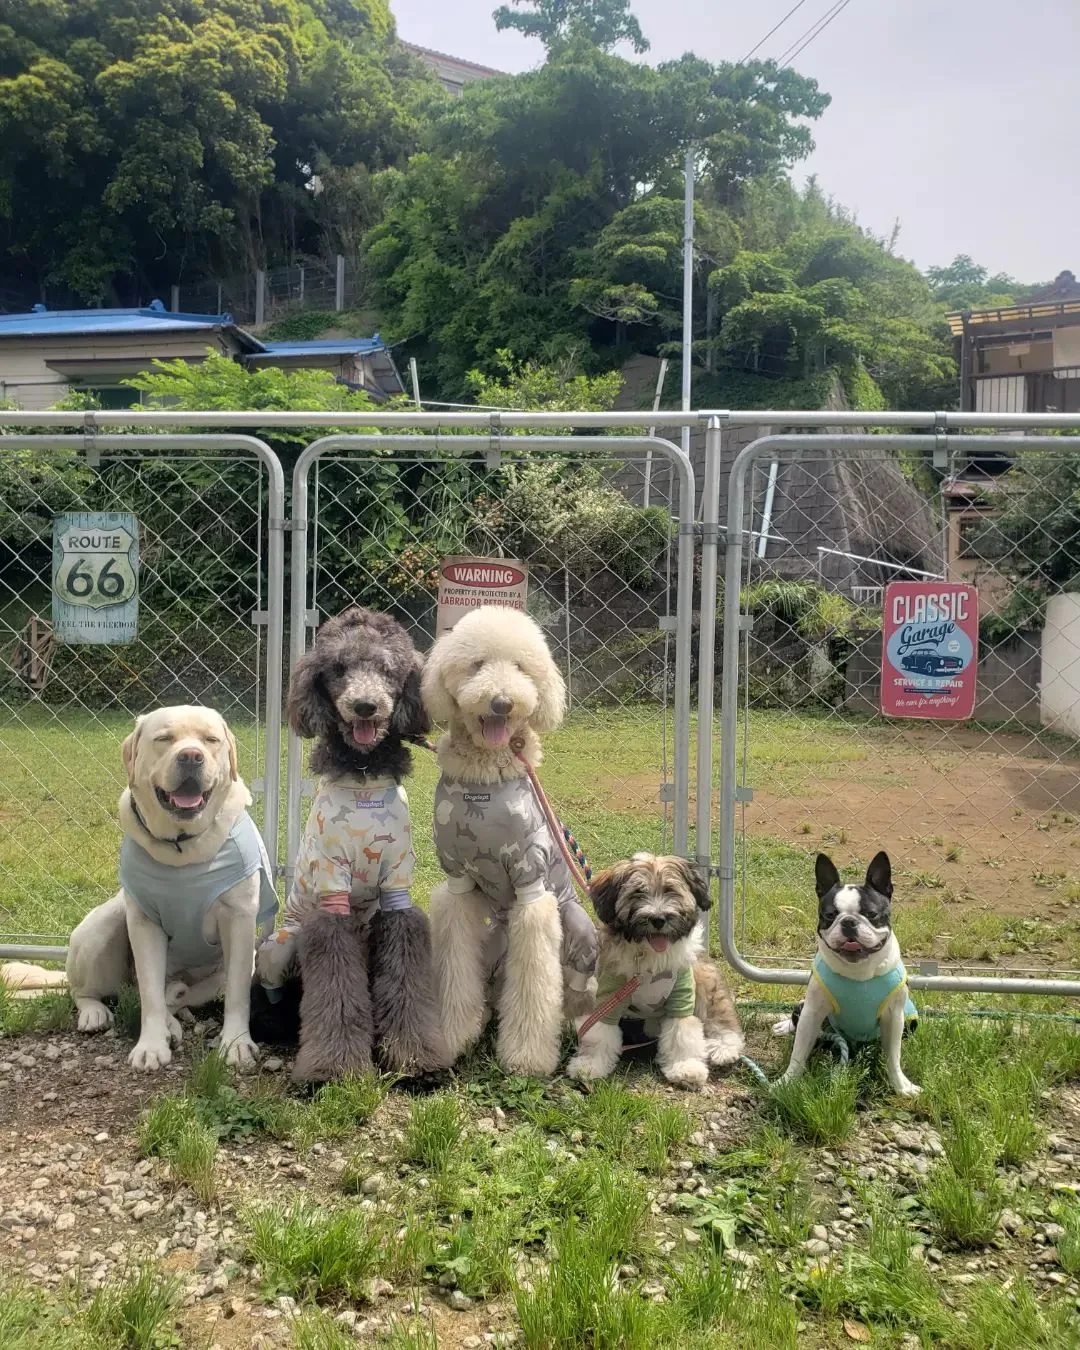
(178, 899)
(856, 1004)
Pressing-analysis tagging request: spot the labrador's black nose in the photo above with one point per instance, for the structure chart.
(191, 758)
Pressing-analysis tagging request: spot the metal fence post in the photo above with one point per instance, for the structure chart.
(339, 282)
(710, 503)
(260, 296)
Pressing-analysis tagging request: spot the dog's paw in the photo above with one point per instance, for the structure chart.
(174, 1030)
(784, 1027)
(724, 1050)
(787, 1077)
(523, 1065)
(94, 1017)
(906, 1088)
(150, 1053)
(240, 1052)
(690, 1073)
(585, 1067)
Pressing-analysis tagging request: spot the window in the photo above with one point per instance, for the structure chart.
(981, 539)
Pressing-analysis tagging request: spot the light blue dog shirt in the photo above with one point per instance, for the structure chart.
(177, 898)
(856, 1004)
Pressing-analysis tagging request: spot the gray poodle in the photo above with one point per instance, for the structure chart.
(363, 949)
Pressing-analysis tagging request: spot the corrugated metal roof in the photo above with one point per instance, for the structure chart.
(977, 318)
(324, 347)
(42, 322)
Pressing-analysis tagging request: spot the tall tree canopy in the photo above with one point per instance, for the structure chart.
(145, 140)
(520, 184)
(559, 23)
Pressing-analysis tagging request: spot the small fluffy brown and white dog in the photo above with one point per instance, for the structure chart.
(651, 910)
(507, 929)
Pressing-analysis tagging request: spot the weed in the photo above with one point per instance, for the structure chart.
(171, 1128)
(665, 1129)
(805, 828)
(1068, 1245)
(954, 853)
(434, 1133)
(135, 1314)
(339, 1108)
(128, 1012)
(414, 1335)
(820, 1106)
(317, 1330)
(306, 1250)
(1008, 1315)
(962, 1193)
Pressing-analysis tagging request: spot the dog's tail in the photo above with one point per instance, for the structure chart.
(715, 1010)
(27, 981)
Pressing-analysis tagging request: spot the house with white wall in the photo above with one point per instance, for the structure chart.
(46, 354)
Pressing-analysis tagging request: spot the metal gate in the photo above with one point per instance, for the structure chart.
(610, 582)
(211, 616)
(981, 817)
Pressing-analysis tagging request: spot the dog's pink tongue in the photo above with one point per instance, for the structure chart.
(496, 731)
(186, 801)
(659, 944)
(363, 731)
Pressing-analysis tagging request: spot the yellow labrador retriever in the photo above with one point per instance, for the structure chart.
(195, 885)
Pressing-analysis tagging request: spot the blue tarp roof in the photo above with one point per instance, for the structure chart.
(155, 318)
(326, 347)
(42, 322)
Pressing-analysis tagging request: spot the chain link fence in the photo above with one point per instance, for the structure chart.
(980, 817)
(382, 515)
(209, 596)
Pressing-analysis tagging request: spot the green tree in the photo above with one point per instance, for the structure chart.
(144, 140)
(965, 284)
(558, 23)
(498, 234)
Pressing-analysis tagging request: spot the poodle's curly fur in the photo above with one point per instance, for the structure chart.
(359, 653)
(492, 681)
(367, 987)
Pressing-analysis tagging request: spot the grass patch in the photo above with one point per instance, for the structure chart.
(819, 1107)
(962, 1193)
(308, 1251)
(171, 1128)
(317, 1330)
(435, 1132)
(135, 1313)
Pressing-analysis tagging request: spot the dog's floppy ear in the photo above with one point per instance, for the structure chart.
(437, 699)
(550, 697)
(310, 713)
(879, 874)
(410, 717)
(697, 885)
(825, 875)
(604, 891)
(130, 749)
(230, 741)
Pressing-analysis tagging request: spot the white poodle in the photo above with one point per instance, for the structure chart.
(506, 926)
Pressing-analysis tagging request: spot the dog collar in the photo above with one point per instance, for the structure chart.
(181, 838)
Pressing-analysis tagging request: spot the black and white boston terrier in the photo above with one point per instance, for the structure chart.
(858, 983)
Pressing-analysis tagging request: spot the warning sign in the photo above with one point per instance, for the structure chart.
(466, 584)
(930, 649)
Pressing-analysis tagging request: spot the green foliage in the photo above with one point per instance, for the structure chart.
(137, 140)
(555, 386)
(816, 614)
(560, 23)
(824, 293)
(964, 284)
(524, 217)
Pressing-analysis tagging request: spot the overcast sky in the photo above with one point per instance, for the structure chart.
(960, 117)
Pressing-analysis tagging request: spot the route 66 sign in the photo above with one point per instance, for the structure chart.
(95, 589)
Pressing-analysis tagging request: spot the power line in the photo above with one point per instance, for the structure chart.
(771, 31)
(815, 30)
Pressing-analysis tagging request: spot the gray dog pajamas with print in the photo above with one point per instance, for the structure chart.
(495, 834)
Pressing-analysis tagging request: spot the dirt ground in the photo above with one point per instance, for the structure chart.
(990, 817)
